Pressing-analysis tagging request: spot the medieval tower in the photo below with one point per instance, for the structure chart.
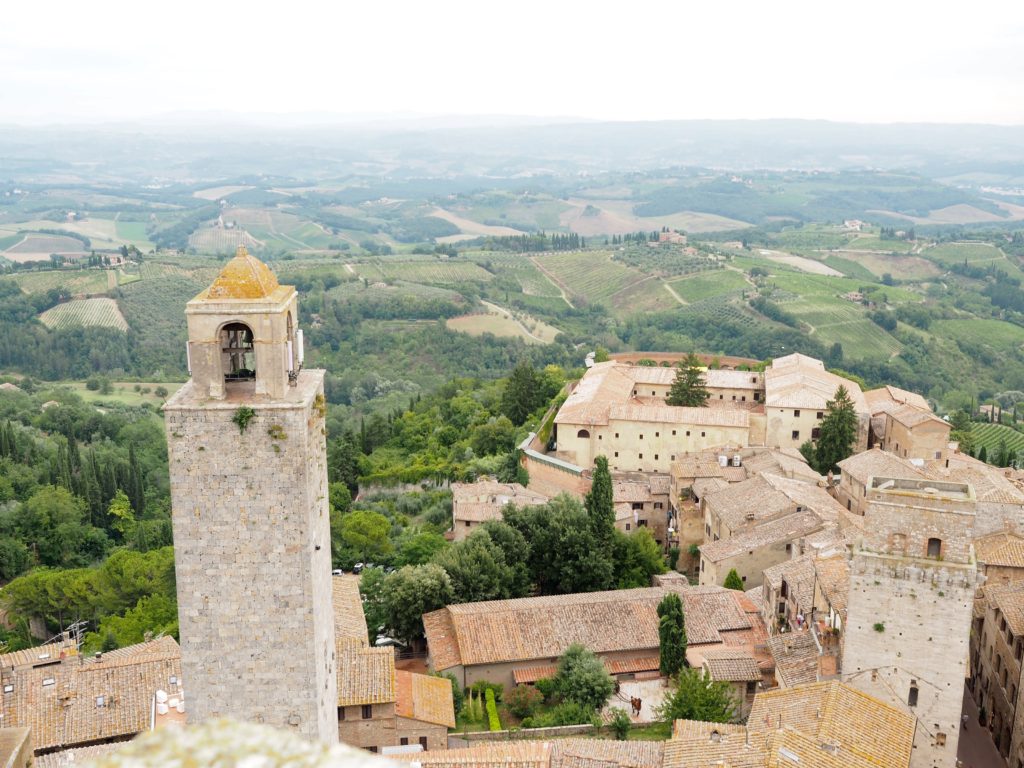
(252, 549)
(912, 583)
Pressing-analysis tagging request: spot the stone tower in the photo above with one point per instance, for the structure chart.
(912, 584)
(252, 548)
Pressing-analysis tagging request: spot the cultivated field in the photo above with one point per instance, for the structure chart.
(705, 285)
(216, 193)
(470, 227)
(217, 240)
(991, 435)
(432, 272)
(979, 331)
(501, 322)
(85, 312)
(591, 275)
(79, 282)
(616, 217)
(124, 392)
(37, 247)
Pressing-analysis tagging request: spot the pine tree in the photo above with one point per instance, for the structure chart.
(733, 581)
(688, 388)
(838, 432)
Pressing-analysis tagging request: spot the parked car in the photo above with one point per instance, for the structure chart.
(337, 572)
(357, 568)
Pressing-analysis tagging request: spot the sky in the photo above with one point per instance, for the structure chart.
(863, 61)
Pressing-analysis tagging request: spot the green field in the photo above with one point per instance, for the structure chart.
(708, 284)
(85, 312)
(975, 254)
(991, 435)
(79, 282)
(124, 392)
(994, 333)
(591, 275)
(431, 272)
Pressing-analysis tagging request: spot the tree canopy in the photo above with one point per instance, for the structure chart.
(671, 635)
(696, 697)
(838, 432)
(733, 580)
(689, 388)
(582, 678)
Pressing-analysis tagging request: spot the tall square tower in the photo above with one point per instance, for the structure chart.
(252, 548)
(912, 582)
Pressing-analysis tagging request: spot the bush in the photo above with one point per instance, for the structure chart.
(566, 713)
(493, 721)
(582, 678)
(546, 686)
(523, 700)
(620, 724)
(160, 391)
(482, 686)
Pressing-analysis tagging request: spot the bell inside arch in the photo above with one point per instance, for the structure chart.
(239, 352)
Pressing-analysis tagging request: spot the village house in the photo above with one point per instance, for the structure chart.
(642, 501)
(856, 471)
(997, 650)
(797, 391)
(379, 705)
(1000, 557)
(475, 503)
(735, 667)
(79, 701)
(519, 641)
(818, 725)
(902, 422)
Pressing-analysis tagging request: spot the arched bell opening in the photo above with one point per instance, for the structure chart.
(238, 354)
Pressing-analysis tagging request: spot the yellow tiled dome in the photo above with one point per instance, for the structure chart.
(244, 277)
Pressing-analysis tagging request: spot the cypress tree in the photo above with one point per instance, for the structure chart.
(136, 491)
(600, 505)
(733, 581)
(671, 635)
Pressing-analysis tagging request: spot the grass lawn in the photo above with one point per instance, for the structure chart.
(124, 392)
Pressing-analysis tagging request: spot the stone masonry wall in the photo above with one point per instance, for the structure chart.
(253, 559)
(924, 611)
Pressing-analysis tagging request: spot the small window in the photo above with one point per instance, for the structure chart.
(687, 433)
(372, 749)
(8, 688)
(627, 526)
(703, 434)
(341, 713)
(616, 454)
(641, 455)
(600, 437)
(655, 457)
(637, 505)
(583, 433)
(101, 701)
(934, 547)
(674, 434)
(616, 434)
(673, 457)
(367, 711)
(652, 393)
(821, 415)
(468, 523)
(745, 578)
(815, 433)
(757, 397)
(48, 681)
(657, 434)
(658, 505)
(940, 739)
(734, 397)
(743, 398)
(641, 437)
(423, 742)
(404, 741)
(796, 414)
(796, 434)
(751, 687)
(912, 698)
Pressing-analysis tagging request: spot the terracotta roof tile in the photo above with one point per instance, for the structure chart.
(365, 675)
(88, 700)
(730, 665)
(349, 619)
(424, 698)
(879, 463)
(505, 754)
(799, 577)
(798, 381)
(836, 713)
(788, 528)
(602, 753)
(1003, 548)
(796, 658)
(244, 277)
(537, 628)
(714, 745)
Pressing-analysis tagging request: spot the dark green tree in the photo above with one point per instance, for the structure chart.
(671, 634)
(689, 388)
(523, 393)
(838, 432)
(478, 570)
(733, 581)
(600, 504)
(582, 678)
(410, 592)
(637, 558)
(697, 698)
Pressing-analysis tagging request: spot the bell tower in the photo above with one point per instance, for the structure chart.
(252, 548)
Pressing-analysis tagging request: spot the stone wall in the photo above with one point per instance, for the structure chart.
(253, 558)
(908, 625)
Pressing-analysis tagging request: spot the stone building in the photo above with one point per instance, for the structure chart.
(475, 503)
(997, 650)
(248, 474)
(902, 422)
(912, 584)
(858, 469)
(1000, 557)
(519, 641)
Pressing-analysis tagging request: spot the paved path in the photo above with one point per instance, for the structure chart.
(976, 748)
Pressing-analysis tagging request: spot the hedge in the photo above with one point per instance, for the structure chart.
(493, 722)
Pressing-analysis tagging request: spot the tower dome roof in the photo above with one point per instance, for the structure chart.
(244, 277)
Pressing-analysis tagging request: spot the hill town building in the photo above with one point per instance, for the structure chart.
(248, 475)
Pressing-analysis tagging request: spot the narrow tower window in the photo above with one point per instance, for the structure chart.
(912, 698)
(934, 547)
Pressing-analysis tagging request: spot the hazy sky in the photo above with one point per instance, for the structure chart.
(897, 60)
